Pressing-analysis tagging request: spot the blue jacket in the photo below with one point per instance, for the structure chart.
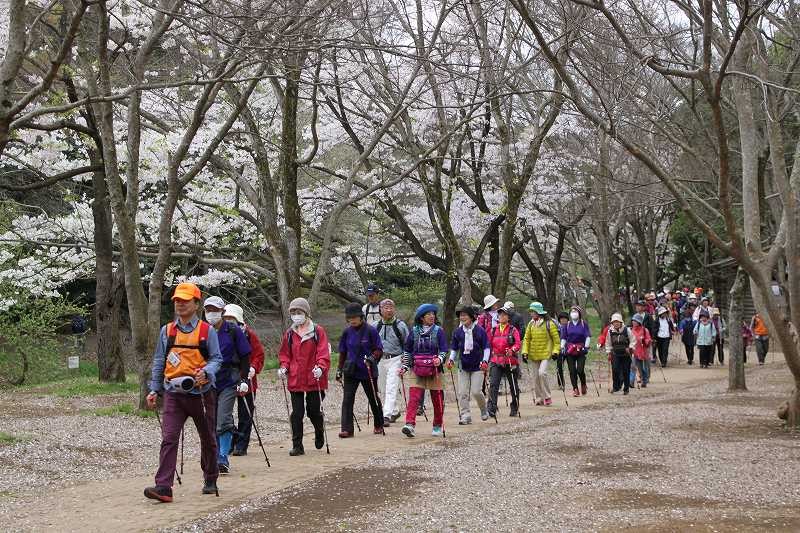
(356, 344)
(235, 349)
(471, 361)
(686, 327)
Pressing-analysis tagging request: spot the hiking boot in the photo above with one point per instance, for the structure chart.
(514, 412)
(584, 389)
(377, 431)
(224, 469)
(345, 434)
(408, 430)
(238, 453)
(210, 487)
(162, 494)
(297, 450)
(319, 438)
(625, 392)
(484, 415)
(387, 421)
(575, 392)
(437, 431)
(393, 418)
(644, 385)
(465, 421)
(538, 402)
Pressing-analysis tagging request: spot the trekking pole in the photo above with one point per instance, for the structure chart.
(375, 399)
(514, 389)
(505, 390)
(258, 434)
(183, 441)
(403, 386)
(355, 418)
(158, 417)
(205, 420)
(484, 393)
(596, 388)
(455, 391)
(564, 391)
(322, 411)
(662, 372)
(286, 402)
(609, 377)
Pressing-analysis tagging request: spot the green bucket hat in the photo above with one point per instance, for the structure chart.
(538, 308)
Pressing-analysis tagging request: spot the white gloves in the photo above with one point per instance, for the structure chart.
(317, 372)
(252, 373)
(282, 371)
(242, 388)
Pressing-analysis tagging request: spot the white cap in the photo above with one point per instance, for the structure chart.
(661, 310)
(616, 317)
(214, 301)
(490, 301)
(235, 311)
(509, 305)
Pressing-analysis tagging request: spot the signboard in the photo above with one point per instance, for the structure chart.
(73, 361)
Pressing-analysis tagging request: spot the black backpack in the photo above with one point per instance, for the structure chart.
(620, 341)
(396, 329)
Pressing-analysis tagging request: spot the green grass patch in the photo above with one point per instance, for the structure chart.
(86, 386)
(8, 438)
(123, 409)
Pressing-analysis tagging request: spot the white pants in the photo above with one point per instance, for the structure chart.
(470, 384)
(389, 384)
(541, 389)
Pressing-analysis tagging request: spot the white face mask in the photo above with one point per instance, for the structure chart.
(298, 319)
(214, 317)
(574, 315)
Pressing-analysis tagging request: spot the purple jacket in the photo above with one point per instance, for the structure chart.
(428, 344)
(575, 333)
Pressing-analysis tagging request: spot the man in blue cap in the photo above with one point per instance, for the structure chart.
(372, 309)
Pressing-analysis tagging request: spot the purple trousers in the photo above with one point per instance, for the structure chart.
(177, 408)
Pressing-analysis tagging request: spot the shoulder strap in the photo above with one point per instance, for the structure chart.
(204, 339)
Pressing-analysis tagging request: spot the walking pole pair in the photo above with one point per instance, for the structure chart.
(158, 417)
(251, 414)
(322, 411)
(513, 390)
(374, 394)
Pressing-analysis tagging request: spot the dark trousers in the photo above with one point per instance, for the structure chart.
(496, 374)
(177, 408)
(706, 355)
(245, 422)
(350, 388)
(621, 369)
(560, 370)
(299, 410)
(744, 351)
(762, 347)
(654, 347)
(663, 350)
(689, 352)
(719, 344)
(576, 370)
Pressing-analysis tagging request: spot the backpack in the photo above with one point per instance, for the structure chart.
(203, 340)
(620, 340)
(396, 329)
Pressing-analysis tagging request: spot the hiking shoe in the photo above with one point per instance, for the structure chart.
(465, 421)
(484, 415)
(514, 412)
(162, 494)
(377, 431)
(408, 430)
(584, 390)
(319, 438)
(393, 418)
(210, 487)
(387, 421)
(538, 402)
(625, 392)
(575, 392)
(548, 401)
(224, 469)
(345, 434)
(238, 453)
(297, 450)
(437, 431)
(644, 385)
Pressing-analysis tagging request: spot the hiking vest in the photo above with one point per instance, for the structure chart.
(186, 352)
(620, 341)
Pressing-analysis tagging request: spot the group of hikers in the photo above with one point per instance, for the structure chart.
(203, 368)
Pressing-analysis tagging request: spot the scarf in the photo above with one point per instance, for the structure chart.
(468, 340)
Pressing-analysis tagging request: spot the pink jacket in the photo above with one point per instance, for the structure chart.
(643, 342)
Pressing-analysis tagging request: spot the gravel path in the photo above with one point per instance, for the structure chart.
(698, 458)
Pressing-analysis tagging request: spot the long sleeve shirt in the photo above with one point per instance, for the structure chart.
(213, 362)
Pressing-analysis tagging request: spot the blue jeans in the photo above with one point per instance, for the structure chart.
(644, 370)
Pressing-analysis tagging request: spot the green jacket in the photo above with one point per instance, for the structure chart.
(541, 340)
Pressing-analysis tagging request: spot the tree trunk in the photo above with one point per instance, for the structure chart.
(110, 363)
(452, 293)
(736, 376)
(287, 172)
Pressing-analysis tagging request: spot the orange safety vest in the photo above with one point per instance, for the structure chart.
(186, 352)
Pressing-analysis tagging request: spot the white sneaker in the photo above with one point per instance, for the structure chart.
(484, 415)
(408, 430)
(437, 431)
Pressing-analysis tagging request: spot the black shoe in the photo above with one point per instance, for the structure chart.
(298, 450)
(625, 392)
(393, 418)
(514, 412)
(319, 438)
(224, 469)
(210, 487)
(162, 494)
(644, 385)
(238, 453)
(387, 421)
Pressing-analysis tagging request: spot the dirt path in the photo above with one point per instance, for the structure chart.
(117, 504)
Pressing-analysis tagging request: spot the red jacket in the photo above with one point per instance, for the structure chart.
(256, 354)
(503, 351)
(302, 359)
(643, 342)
